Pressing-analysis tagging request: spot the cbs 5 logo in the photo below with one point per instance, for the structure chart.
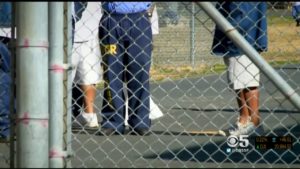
(234, 141)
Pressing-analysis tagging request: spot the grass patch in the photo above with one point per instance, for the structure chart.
(163, 72)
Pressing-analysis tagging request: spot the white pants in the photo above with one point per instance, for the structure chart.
(241, 72)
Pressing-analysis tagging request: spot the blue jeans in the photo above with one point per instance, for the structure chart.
(5, 82)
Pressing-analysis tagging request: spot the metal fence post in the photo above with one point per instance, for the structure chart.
(68, 80)
(56, 56)
(32, 85)
(192, 25)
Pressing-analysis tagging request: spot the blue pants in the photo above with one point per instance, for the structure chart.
(126, 46)
(5, 83)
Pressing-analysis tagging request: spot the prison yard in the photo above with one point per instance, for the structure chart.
(189, 85)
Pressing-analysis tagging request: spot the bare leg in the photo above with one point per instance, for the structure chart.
(252, 98)
(89, 97)
(243, 107)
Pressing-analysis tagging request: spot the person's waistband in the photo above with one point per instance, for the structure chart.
(125, 7)
(120, 14)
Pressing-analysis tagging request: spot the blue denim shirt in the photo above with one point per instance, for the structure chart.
(125, 7)
(249, 18)
(296, 11)
(5, 14)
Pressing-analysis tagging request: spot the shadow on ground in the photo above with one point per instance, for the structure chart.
(235, 110)
(216, 152)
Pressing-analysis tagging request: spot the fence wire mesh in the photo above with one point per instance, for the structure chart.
(188, 85)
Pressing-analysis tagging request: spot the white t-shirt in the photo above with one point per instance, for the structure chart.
(87, 27)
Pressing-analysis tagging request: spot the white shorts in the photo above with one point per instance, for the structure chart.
(241, 72)
(86, 60)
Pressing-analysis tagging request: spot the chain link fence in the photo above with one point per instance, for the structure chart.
(189, 86)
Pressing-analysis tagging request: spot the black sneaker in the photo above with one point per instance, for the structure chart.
(141, 132)
(110, 131)
(4, 139)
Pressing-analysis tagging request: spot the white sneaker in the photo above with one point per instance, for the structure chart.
(243, 129)
(81, 121)
(247, 129)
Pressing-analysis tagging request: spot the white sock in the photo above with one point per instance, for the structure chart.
(88, 116)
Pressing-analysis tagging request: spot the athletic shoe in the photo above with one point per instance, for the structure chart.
(242, 129)
(247, 129)
(4, 138)
(111, 131)
(141, 132)
(80, 121)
